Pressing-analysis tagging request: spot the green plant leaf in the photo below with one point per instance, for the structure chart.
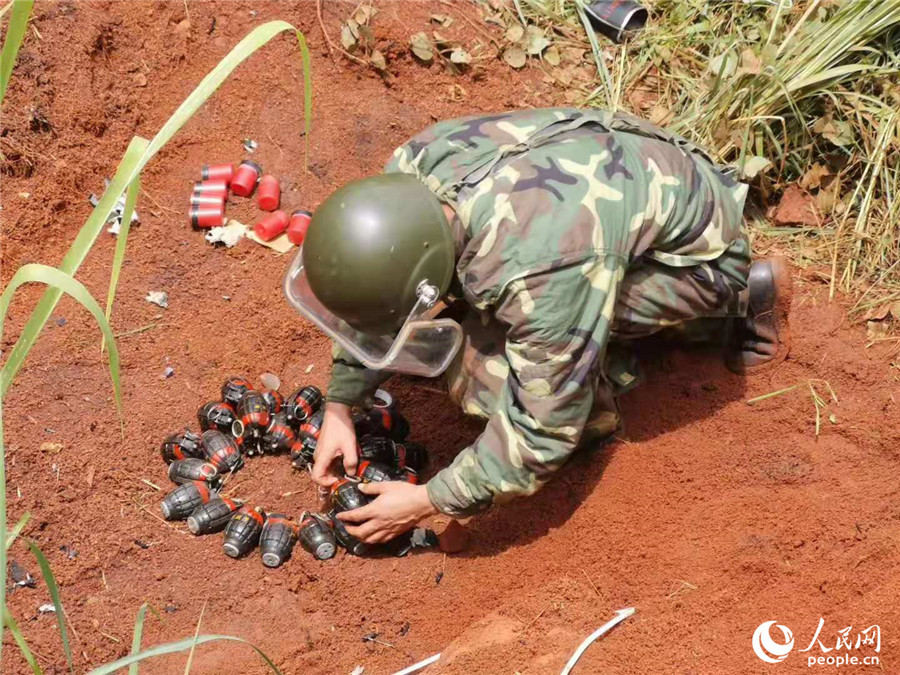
(15, 33)
(133, 163)
(190, 659)
(17, 529)
(10, 622)
(421, 46)
(175, 647)
(121, 242)
(52, 586)
(136, 640)
(63, 283)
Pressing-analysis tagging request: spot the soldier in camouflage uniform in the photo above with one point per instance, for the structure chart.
(573, 231)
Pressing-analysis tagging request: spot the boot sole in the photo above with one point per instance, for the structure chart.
(781, 276)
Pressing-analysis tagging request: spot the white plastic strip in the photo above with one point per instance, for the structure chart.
(621, 615)
(418, 666)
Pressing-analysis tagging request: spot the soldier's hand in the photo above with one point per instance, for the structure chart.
(336, 440)
(397, 507)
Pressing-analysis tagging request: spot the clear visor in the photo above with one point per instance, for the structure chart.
(424, 346)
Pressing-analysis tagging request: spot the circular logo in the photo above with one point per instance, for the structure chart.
(766, 648)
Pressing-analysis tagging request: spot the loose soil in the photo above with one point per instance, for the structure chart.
(708, 515)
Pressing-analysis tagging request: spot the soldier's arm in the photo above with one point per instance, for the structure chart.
(351, 382)
(559, 327)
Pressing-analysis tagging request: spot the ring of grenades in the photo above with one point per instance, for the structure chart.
(248, 422)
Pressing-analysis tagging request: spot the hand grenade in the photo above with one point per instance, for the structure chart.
(189, 469)
(313, 425)
(179, 446)
(303, 404)
(242, 531)
(406, 475)
(212, 516)
(395, 455)
(233, 389)
(279, 535)
(216, 415)
(279, 436)
(274, 400)
(374, 472)
(253, 415)
(221, 451)
(316, 535)
(303, 452)
(183, 500)
(379, 421)
(345, 495)
(347, 540)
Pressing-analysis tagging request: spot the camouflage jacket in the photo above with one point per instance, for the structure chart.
(552, 206)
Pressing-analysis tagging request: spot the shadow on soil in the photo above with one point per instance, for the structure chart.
(681, 387)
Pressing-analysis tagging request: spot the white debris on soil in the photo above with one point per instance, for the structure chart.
(46, 609)
(229, 235)
(160, 298)
(270, 380)
(167, 373)
(250, 145)
(115, 217)
(359, 670)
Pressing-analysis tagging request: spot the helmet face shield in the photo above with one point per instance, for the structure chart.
(423, 346)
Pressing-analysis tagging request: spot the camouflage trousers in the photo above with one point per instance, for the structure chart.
(651, 297)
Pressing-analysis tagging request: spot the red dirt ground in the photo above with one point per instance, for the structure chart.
(745, 504)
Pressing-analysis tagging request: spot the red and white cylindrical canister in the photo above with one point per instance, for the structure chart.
(245, 178)
(298, 226)
(269, 193)
(211, 199)
(215, 186)
(271, 226)
(207, 216)
(223, 172)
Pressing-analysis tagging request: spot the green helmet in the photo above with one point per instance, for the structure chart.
(371, 244)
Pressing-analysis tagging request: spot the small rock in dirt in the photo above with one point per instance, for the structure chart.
(404, 629)
(270, 380)
(160, 298)
(309, 368)
(250, 145)
(454, 538)
(438, 577)
(167, 373)
(797, 207)
(226, 297)
(139, 79)
(46, 609)
(169, 609)
(370, 637)
(144, 545)
(183, 27)
(51, 447)
(70, 552)
(359, 670)
(21, 576)
(61, 321)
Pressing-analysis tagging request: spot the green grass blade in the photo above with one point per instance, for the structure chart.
(122, 240)
(63, 283)
(307, 96)
(190, 659)
(136, 640)
(175, 647)
(73, 259)
(10, 622)
(52, 586)
(136, 158)
(13, 533)
(18, 24)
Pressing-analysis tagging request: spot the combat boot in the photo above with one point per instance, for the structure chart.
(762, 339)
